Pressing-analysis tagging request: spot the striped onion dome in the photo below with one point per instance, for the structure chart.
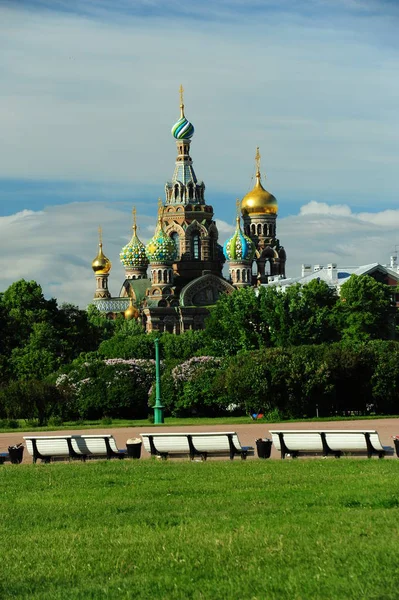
(161, 248)
(239, 246)
(133, 255)
(183, 129)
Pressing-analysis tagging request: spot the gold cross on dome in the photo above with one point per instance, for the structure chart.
(181, 92)
(257, 159)
(134, 213)
(100, 234)
(238, 206)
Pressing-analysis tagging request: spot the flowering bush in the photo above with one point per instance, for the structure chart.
(189, 369)
(195, 387)
(113, 387)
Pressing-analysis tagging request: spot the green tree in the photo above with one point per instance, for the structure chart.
(367, 309)
(31, 399)
(41, 354)
(302, 314)
(26, 305)
(235, 324)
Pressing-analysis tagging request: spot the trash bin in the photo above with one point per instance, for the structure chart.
(396, 442)
(133, 447)
(264, 447)
(16, 453)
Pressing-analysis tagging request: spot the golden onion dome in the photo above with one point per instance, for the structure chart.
(259, 201)
(101, 265)
(131, 312)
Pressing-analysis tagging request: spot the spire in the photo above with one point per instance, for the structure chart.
(257, 162)
(134, 214)
(181, 91)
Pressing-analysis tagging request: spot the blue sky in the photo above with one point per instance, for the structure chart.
(90, 92)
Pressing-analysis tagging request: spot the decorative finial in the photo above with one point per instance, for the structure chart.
(160, 209)
(100, 235)
(134, 213)
(181, 92)
(238, 208)
(257, 162)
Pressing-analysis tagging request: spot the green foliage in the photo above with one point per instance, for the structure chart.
(114, 388)
(302, 314)
(29, 400)
(126, 345)
(367, 309)
(183, 346)
(235, 324)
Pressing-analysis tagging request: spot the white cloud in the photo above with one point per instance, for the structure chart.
(55, 246)
(323, 233)
(322, 208)
(92, 100)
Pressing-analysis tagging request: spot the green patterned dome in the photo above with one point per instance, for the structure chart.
(239, 246)
(161, 248)
(133, 255)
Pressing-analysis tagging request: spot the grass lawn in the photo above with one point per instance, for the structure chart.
(302, 529)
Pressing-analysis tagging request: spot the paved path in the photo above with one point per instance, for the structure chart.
(247, 433)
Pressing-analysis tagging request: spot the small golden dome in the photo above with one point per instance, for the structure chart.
(101, 265)
(258, 201)
(131, 312)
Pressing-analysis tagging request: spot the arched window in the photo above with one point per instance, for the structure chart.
(253, 229)
(196, 246)
(238, 275)
(264, 229)
(259, 229)
(176, 191)
(175, 237)
(190, 191)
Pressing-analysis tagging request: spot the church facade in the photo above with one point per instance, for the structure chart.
(171, 282)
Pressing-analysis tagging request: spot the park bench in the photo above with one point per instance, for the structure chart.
(325, 442)
(81, 447)
(97, 446)
(195, 444)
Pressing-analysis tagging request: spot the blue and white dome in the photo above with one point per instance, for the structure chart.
(239, 246)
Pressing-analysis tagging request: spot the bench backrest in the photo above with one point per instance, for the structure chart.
(349, 440)
(93, 444)
(49, 445)
(299, 440)
(203, 441)
(167, 442)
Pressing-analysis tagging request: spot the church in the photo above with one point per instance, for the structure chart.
(172, 281)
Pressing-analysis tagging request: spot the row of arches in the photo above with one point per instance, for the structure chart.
(196, 242)
(261, 229)
(241, 275)
(179, 192)
(160, 276)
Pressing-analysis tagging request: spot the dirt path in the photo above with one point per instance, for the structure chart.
(247, 433)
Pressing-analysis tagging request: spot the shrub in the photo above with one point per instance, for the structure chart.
(115, 388)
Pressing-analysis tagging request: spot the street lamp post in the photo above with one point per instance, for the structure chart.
(158, 407)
